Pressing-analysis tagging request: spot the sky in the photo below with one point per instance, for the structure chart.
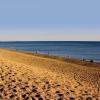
(49, 20)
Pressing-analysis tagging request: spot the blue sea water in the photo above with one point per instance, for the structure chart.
(79, 49)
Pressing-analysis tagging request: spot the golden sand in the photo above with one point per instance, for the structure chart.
(29, 77)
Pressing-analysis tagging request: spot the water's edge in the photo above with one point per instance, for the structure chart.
(88, 50)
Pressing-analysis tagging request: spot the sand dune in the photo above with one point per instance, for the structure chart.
(29, 77)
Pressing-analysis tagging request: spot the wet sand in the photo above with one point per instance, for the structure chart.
(29, 77)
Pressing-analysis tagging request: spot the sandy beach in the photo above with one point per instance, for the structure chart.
(25, 76)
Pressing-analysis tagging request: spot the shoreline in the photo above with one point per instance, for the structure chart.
(83, 62)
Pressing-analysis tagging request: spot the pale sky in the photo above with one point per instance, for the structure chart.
(49, 20)
(50, 36)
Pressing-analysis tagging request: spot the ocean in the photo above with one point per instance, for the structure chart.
(73, 49)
